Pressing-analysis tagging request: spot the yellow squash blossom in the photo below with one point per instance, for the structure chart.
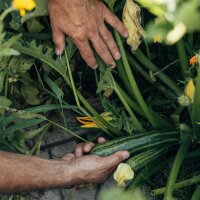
(190, 90)
(193, 60)
(122, 174)
(88, 123)
(23, 5)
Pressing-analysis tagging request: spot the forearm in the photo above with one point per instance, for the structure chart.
(22, 173)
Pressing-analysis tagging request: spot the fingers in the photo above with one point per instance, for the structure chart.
(59, 41)
(116, 158)
(109, 41)
(82, 148)
(68, 156)
(113, 20)
(79, 150)
(102, 49)
(86, 53)
(88, 146)
(101, 140)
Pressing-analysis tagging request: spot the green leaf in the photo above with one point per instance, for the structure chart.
(34, 25)
(30, 94)
(4, 103)
(40, 10)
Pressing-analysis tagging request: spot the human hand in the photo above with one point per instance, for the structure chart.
(92, 168)
(84, 21)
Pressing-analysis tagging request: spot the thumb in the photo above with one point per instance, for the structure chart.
(116, 158)
(59, 41)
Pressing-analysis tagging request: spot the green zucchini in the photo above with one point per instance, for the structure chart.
(138, 142)
(142, 159)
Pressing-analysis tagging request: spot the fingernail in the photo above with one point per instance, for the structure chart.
(94, 67)
(58, 52)
(117, 56)
(113, 65)
(125, 34)
(126, 155)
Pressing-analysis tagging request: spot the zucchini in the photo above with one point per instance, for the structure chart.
(138, 142)
(142, 159)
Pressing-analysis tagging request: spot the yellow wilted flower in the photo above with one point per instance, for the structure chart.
(122, 174)
(23, 5)
(88, 123)
(190, 90)
(132, 19)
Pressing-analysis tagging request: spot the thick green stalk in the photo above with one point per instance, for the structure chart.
(161, 75)
(183, 59)
(176, 166)
(130, 102)
(167, 92)
(135, 121)
(195, 115)
(179, 185)
(196, 194)
(122, 75)
(133, 84)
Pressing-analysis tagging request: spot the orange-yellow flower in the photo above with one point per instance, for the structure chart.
(193, 60)
(88, 123)
(23, 5)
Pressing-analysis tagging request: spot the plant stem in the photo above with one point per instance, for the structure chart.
(133, 84)
(6, 12)
(176, 166)
(72, 133)
(196, 194)
(161, 75)
(76, 96)
(130, 102)
(179, 185)
(135, 121)
(196, 109)
(122, 75)
(167, 92)
(183, 59)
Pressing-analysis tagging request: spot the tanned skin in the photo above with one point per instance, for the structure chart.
(85, 22)
(23, 173)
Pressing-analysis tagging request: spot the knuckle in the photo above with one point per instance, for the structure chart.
(79, 37)
(107, 36)
(102, 49)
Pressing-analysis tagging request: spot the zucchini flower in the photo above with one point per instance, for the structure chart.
(132, 19)
(190, 90)
(88, 123)
(122, 174)
(23, 5)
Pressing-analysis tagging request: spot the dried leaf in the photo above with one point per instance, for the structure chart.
(132, 19)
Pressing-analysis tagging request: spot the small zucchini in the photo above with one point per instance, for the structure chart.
(142, 159)
(138, 142)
